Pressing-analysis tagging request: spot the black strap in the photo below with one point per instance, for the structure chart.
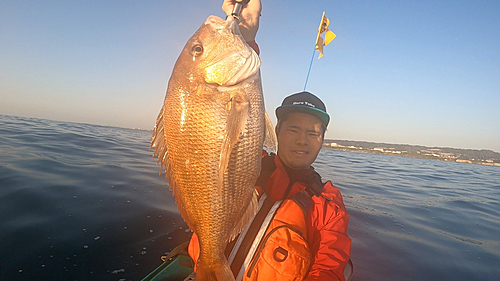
(304, 200)
(250, 235)
(230, 246)
(315, 185)
(267, 169)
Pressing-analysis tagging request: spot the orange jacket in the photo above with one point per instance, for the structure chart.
(324, 227)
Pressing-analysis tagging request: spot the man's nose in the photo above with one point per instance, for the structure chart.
(302, 139)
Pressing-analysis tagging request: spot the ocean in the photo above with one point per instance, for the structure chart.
(86, 202)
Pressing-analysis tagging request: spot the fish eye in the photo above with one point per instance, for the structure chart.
(197, 50)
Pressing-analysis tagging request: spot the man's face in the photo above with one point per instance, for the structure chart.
(300, 138)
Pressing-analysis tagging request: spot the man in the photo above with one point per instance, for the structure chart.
(302, 121)
(299, 232)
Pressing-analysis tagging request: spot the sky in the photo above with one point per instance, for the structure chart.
(405, 72)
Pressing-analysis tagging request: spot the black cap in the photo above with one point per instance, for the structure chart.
(304, 102)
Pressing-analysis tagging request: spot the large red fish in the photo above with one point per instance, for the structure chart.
(209, 136)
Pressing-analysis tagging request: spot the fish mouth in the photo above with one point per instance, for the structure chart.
(229, 70)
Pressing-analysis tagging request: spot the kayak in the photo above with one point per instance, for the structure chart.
(177, 266)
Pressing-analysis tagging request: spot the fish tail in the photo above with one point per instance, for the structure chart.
(225, 273)
(214, 273)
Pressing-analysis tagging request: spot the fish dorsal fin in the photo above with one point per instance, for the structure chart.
(159, 143)
(270, 139)
(247, 217)
(236, 121)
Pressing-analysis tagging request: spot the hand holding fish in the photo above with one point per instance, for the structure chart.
(249, 17)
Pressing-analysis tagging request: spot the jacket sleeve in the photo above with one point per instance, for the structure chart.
(328, 238)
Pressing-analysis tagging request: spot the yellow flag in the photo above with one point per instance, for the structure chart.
(329, 35)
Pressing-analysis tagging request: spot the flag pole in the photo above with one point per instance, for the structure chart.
(316, 44)
(310, 66)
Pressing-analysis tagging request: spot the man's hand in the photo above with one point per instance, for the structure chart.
(249, 17)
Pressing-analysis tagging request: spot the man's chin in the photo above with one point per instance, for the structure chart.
(299, 166)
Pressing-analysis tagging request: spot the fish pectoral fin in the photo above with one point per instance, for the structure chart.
(236, 121)
(247, 217)
(270, 140)
(160, 144)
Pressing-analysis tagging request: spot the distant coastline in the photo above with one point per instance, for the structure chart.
(472, 156)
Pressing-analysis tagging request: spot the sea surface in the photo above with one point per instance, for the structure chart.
(86, 202)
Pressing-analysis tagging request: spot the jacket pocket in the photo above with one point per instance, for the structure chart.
(284, 254)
